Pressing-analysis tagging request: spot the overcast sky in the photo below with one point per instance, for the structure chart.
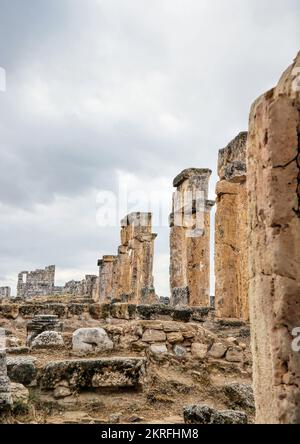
(108, 92)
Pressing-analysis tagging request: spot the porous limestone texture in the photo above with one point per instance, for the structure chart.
(95, 373)
(231, 249)
(5, 292)
(273, 165)
(40, 283)
(48, 340)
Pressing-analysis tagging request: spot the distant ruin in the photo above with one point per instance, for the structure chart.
(42, 283)
(128, 277)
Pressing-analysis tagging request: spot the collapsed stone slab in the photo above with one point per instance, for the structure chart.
(203, 414)
(112, 373)
(22, 369)
(42, 323)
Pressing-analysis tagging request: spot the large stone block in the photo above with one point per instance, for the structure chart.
(86, 340)
(113, 373)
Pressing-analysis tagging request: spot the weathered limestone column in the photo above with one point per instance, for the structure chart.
(5, 393)
(106, 278)
(136, 282)
(273, 163)
(190, 239)
(231, 251)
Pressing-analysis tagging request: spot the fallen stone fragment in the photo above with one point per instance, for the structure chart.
(48, 339)
(202, 414)
(87, 340)
(21, 369)
(218, 350)
(239, 396)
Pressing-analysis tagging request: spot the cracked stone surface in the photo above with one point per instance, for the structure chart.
(274, 237)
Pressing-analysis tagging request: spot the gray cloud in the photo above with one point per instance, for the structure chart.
(98, 86)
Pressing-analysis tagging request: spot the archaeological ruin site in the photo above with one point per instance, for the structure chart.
(108, 349)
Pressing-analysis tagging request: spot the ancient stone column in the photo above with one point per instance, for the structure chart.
(190, 239)
(231, 251)
(136, 283)
(5, 393)
(107, 274)
(273, 164)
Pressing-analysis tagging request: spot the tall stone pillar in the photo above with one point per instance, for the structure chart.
(231, 251)
(5, 393)
(136, 259)
(190, 239)
(273, 163)
(107, 277)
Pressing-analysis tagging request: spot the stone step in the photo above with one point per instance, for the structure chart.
(84, 374)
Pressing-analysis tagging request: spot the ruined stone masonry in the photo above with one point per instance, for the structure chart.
(5, 292)
(42, 283)
(190, 239)
(231, 250)
(128, 277)
(273, 163)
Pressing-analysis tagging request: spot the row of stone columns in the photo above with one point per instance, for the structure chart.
(128, 276)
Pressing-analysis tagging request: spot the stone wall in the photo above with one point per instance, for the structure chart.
(273, 162)
(35, 283)
(5, 292)
(190, 239)
(231, 259)
(40, 283)
(128, 277)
